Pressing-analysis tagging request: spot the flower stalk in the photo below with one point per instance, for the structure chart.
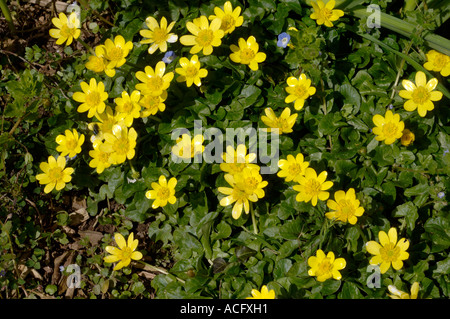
(8, 17)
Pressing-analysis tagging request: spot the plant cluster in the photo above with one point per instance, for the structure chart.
(355, 209)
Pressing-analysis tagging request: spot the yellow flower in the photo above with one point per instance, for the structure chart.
(153, 104)
(124, 253)
(284, 123)
(190, 71)
(230, 19)
(55, 174)
(420, 95)
(204, 36)
(158, 35)
(187, 148)
(97, 62)
(117, 51)
(325, 267)
(70, 143)
(247, 53)
(438, 62)
(398, 294)
(299, 90)
(345, 207)
(68, 28)
(245, 186)
(324, 13)
(236, 161)
(107, 120)
(92, 97)
(128, 107)
(388, 128)
(389, 252)
(162, 192)
(100, 159)
(407, 138)
(120, 144)
(312, 187)
(292, 167)
(264, 294)
(155, 82)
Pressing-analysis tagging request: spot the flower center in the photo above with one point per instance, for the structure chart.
(282, 124)
(155, 83)
(71, 143)
(227, 22)
(440, 61)
(325, 14)
(251, 183)
(324, 267)
(55, 174)
(116, 54)
(313, 187)
(347, 210)
(205, 37)
(93, 98)
(390, 129)
(164, 193)
(126, 253)
(420, 95)
(247, 55)
(127, 107)
(121, 146)
(294, 169)
(66, 32)
(150, 102)
(191, 72)
(299, 91)
(159, 35)
(103, 157)
(389, 252)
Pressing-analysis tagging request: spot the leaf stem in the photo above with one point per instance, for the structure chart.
(252, 212)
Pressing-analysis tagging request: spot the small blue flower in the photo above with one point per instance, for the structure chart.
(445, 152)
(441, 195)
(169, 57)
(283, 40)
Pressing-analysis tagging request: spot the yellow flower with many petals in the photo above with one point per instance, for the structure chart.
(245, 186)
(312, 187)
(388, 128)
(345, 207)
(68, 28)
(128, 107)
(117, 51)
(230, 19)
(154, 82)
(420, 95)
(152, 104)
(204, 36)
(283, 123)
(162, 192)
(107, 120)
(299, 90)
(70, 143)
(292, 167)
(407, 138)
(324, 13)
(55, 174)
(236, 160)
(124, 253)
(120, 144)
(325, 266)
(438, 62)
(158, 35)
(187, 147)
(190, 71)
(247, 53)
(388, 251)
(265, 293)
(398, 294)
(100, 160)
(92, 98)
(97, 62)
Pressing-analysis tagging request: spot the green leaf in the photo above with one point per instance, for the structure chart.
(409, 211)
